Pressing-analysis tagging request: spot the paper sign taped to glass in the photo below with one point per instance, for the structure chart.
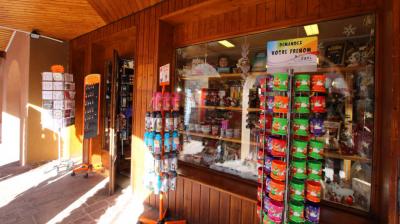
(300, 54)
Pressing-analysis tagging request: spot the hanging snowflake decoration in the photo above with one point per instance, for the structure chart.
(349, 30)
(244, 62)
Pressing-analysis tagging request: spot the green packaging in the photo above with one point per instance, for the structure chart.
(297, 190)
(279, 126)
(299, 169)
(299, 149)
(296, 211)
(280, 82)
(316, 149)
(302, 82)
(314, 170)
(300, 127)
(302, 104)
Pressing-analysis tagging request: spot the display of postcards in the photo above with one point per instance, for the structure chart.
(47, 85)
(58, 76)
(58, 85)
(58, 104)
(69, 86)
(58, 95)
(68, 77)
(334, 53)
(47, 104)
(61, 114)
(70, 95)
(47, 76)
(69, 104)
(47, 95)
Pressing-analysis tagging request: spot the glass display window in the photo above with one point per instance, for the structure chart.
(220, 83)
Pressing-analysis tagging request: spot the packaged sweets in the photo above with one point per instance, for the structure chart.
(279, 126)
(148, 121)
(268, 164)
(153, 121)
(265, 121)
(281, 104)
(260, 171)
(299, 149)
(157, 143)
(296, 211)
(318, 104)
(297, 190)
(169, 122)
(317, 126)
(316, 149)
(312, 211)
(277, 190)
(318, 83)
(275, 211)
(158, 122)
(173, 161)
(302, 104)
(176, 143)
(313, 191)
(157, 101)
(314, 169)
(278, 147)
(300, 127)
(302, 82)
(299, 169)
(166, 100)
(280, 82)
(175, 101)
(175, 119)
(278, 170)
(260, 192)
(167, 142)
(267, 184)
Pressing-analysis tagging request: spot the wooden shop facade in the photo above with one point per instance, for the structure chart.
(207, 44)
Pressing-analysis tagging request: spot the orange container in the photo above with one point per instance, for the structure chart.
(278, 170)
(277, 190)
(281, 104)
(318, 83)
(313, 192)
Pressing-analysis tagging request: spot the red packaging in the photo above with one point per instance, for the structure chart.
(318, 83)
(318, 104)
(278, 147)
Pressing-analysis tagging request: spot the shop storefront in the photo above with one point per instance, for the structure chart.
(225, 64)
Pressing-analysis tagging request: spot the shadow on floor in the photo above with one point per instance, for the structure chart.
(12, 169)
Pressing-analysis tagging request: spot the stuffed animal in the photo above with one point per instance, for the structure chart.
(354, 59)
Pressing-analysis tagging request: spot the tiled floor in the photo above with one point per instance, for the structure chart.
(41, 195)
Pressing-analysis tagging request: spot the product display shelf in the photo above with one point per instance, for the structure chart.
(219, 108)
(336, 155)
(222, 75)
(337, 69)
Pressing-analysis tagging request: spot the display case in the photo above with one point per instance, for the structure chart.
(220, 82)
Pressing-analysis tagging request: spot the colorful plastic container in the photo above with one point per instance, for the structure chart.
(312, 212)
(278, 170)
(297, 190)
(317, 126)
(275, 211)
(280, 82)
(281, 104)
(277, 190)
(299, 149)
(268, 164)
(313, 191)
(302, 104)
(300, 127)
(316, 149)
(296, 211)
(302, 82)
(278, 147)
(318, 83)
(279, 126)
(299, 169)
(318, 104)
(314, 169)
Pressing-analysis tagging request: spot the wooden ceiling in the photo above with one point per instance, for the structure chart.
(63, 19)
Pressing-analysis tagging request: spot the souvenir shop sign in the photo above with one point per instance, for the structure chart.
(300, 54)
(164, 75)
(91, 106)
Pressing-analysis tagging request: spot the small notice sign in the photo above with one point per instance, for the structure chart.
(300, 54)
(164, 75)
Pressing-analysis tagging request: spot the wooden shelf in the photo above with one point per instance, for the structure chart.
(335, 155)
(253, 109)
(221, 76)
(219, 108)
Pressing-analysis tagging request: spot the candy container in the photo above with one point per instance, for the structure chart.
(148, 121)
(296, 211)
(299, 169)
(302, 82)
(313, 191)
(278, 170)
(157, 143)
(280, 82)
(317, 126)
(314, 169)
(265, 121)
(279, 126)
(167, 142)
(297, 190)
(266, 203)
(300, 127)
(175, 101)
(260, 193)
(267, 184)
(277, 190)
(275, 211)
(278, 147)
(318, 104)
(270, 104)
(281, 104)
(166, 100)
(158, 122)
(260, 172)
(316, 149)
(318, 83)
(302, 104)
(299, 149)
(312, 211)
(157, 101)
(268, 164)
